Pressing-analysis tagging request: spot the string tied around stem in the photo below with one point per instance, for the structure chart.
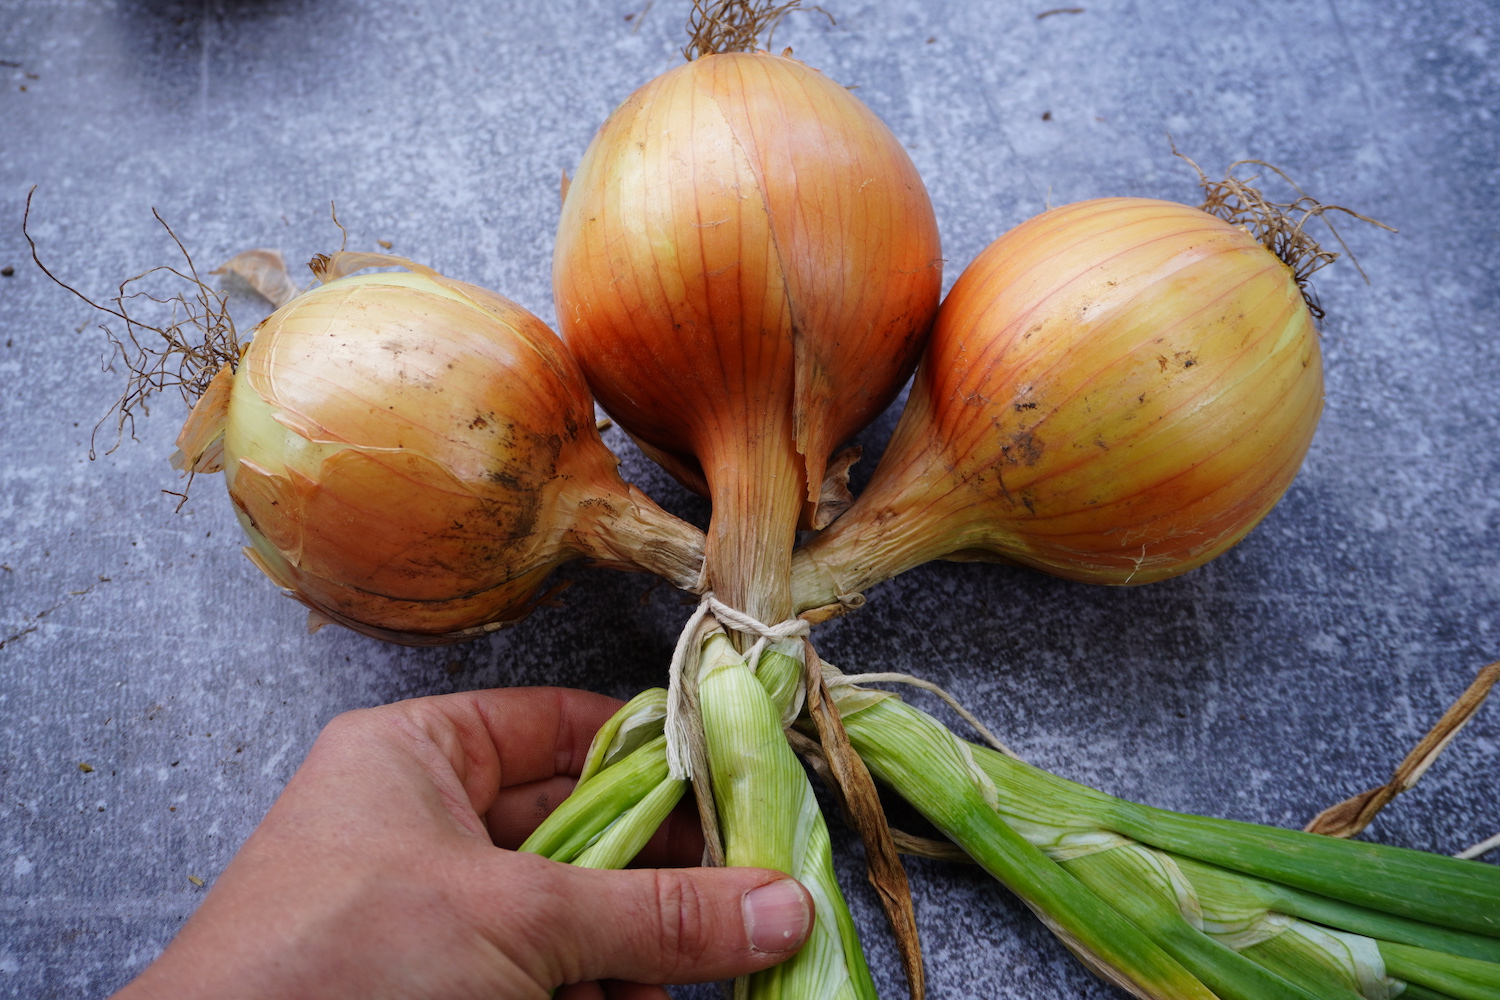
(678, 726)
(842, 679)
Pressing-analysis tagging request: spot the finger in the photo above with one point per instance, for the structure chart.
(618, 989)
(656, 925)
(678, 842)
(494, 738)
(591, 990)
(520, 809)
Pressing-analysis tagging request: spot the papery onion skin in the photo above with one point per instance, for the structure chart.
(412, 456)
(1115, 392)
(746, 267)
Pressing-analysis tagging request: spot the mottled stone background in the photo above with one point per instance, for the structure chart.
(1292, 672)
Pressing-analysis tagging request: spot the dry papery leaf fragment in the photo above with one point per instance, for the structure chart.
(853, 785)
(265, 272)
(1352, 815)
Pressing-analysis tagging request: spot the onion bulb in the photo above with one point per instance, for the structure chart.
(746, 266)
(411, 456)
(1115, 392)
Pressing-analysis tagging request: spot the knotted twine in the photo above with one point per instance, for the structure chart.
(678, 730)
(680, 734)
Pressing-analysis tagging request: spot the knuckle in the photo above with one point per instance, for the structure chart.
(345, 721)
(381, 723)
(350, 724)
(684, 926)
(340, 732)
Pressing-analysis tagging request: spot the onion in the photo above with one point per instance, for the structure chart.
(411, 456)
(1116, 392)
(746, 266)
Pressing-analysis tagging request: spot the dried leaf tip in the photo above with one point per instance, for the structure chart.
(718, 26)
(264, 271)
(1350, 817)
(1279, 226)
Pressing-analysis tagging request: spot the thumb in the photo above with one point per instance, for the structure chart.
(669, 925)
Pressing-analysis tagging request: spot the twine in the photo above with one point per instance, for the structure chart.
(851, 680)
(680, 735)
(1483, 847)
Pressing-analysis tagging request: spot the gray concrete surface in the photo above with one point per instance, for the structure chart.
(1292, 672)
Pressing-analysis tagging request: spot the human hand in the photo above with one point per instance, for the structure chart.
(381, 872)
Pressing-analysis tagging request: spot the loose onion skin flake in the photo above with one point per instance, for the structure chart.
(411, 456)
(746, 266)
(1115, 392)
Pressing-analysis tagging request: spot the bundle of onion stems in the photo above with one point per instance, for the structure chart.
(1162, 904)
(747, 270)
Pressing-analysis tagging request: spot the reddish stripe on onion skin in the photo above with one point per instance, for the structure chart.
(1039, 524)
(1215, 386)
(1001, 343)
(999, 292)
(1223, 527)
(1103, 369)
(1019, 483)
(1228, 525)
(812, 128)
(1215, 392)
(1000, 295)
(1033, 451)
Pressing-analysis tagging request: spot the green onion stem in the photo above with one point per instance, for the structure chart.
(922, 761)
(1461, 978)
(770, 818)
(757, 781)
(1165, 904)
(1329, 963)
(781, 676)
(623, 839)
(1432, 888)
(1132, 881)
(1414, 991)
(1251, 893)
(638, 721)
(598, 803)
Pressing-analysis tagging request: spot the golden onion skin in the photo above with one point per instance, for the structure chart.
(746, 266)
(1116, 392)
(411, 456)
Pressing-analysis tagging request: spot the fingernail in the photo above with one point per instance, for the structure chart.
(777, 916)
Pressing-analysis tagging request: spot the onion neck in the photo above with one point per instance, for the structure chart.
(874, 542)
(625, 529)
(917, 508)
(757, 488)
